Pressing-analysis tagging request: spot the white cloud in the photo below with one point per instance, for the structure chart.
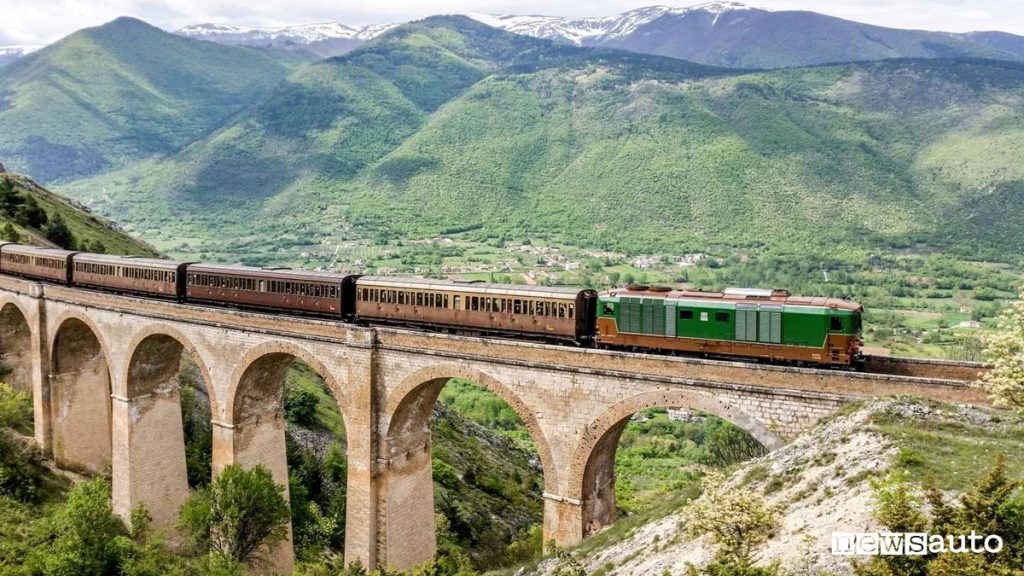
(37, 21)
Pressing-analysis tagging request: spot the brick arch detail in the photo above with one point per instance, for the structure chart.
(265, 349)
(161, 329)
(62, 321)
(615, 415)
(10, 299)
(407, 391)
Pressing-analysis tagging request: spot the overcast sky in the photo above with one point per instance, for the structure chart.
(44, 21)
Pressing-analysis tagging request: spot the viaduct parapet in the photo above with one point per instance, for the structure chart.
(102, 369)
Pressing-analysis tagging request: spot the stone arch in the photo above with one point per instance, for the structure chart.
(256, 418)
(80, 396)
(276, 356)
(592, 471)
(407, 494)
(16, 337)
(149, 436)
(402, 402)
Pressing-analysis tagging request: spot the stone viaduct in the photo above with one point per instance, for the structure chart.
(102, 367)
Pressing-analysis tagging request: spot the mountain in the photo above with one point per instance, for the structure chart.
(596, 30)
(722, 33)
(324, 40)
(447, 124)
(732, 34)
(123, 91)
(89, 231)
(9, 54)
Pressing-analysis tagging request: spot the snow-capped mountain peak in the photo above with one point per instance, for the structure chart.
(580, 30)
(301, 34)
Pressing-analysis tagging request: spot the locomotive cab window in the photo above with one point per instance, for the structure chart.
(686, 314)
(608, 309)
(835, 324)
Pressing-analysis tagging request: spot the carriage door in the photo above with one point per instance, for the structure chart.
(746, 322)
(770, 324)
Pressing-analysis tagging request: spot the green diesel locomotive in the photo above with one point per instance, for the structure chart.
(753, 323)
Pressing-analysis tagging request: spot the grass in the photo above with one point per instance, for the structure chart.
(87, 229)
(947, 449)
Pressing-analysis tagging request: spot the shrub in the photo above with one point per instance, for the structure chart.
(239, 513)
(738, 520)
(300, 407)
(86, 537)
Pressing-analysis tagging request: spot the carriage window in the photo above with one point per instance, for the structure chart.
(445, 304)
(686, 314)
(457, 302)
(561, 310)
(263, 285)
(474, 303)
(530, 309)
(571, 306)
(722, 316)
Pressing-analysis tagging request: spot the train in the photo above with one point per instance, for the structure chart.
(764, 325)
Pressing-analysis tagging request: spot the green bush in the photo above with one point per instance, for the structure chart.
(86, 538)
(300, 407)
(240, 512)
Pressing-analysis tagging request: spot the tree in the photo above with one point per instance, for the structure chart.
(57, 231)
(10, 200)
(30, 214)
(1004, 382)
(239, 513)
(738, 520)
(9, 233)
(87, 537)
(300, 407)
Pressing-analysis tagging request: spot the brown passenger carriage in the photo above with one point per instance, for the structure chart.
(546, 312)
(312, 292)
(151, 276)
(41, 263)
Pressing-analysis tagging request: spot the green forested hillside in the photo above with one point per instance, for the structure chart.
(120, 92)
(448, 124)
(30, 214)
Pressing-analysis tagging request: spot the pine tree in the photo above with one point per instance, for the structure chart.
(10, 200)
(981, 506)
(30, 214)
(9, 233)
(59, 233)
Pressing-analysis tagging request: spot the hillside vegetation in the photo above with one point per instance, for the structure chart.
(120, 92)
(753, 38)
(30, 214)
(834, 478)
(447, 124)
